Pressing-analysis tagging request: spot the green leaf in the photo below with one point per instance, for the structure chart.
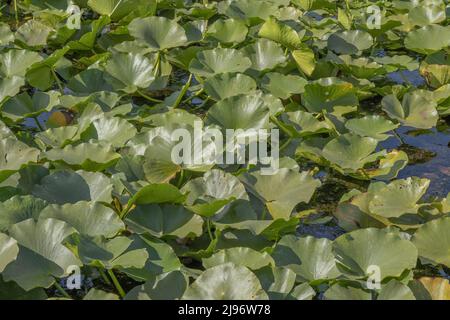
(414, 110)
(281, 33)
(433, 241)
(158, 33)
(357, 252)
(247, 257)
(228, 31)
(310, 258)
(281, 192)
(225, 85)
(226, 282)
(428, 39)
(41, 254)
(165, 220)
(92, 219)
(220, 60)
(8, 250)
(167, 286)
(65, 186)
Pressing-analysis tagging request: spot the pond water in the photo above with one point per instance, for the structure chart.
(429, 154)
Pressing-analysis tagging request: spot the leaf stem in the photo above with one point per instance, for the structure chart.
(38, 123)
(157, 63)
(281, 126)
(61, 89)
(208, 226)
(143, 95)
(183, 92)
(16, 13)
(61, 290)
(199, 92)
(180, 179)
(398, 137)
(116, 283)
(285, 144)
(104, 276)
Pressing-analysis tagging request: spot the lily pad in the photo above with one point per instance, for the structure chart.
(226, 282)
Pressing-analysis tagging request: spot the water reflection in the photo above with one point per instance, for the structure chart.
(437, 167)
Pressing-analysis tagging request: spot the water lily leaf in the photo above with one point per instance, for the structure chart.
(389, 166)
(66, 186)
(277, 282)
(225, 85)
(265, 54)
(226, 282)
(12, 291)
(89, 81)
(42, 74)
(280, 33)
(302, 292)
(399, 197)
(349, 42)
(305, 59)
(438, 288)
(397, 62)
(247, 257)
(431, 12)
(240, 112)
(228, 31)
(340, 292)
(9, 87)
(115, 253)
(92, 219)
(428, 39)
(58, 137)
(88, 39)
(23, 106)
(220, 60)
(158, 33)
(159, 166)
(254, 11)
(303, 124)
(433, 241)
(161, 258)
(19, 208)
(395, 290)
(113, 130)
(8, 250)
(281, 192)
(41, 254)
(328, 93)
(33, 33)
(362, 68)
(15, 155)
(373, 126)
(88, 156)
(210, 193)
(6, 36)
(414, 110)
(310, 258)
(165, 220)
(116, 9)
(167, 286)
(96, 294)
(350, 151)
(388, 251)
(283, 86)
(158, 193)
(129, 72)
(16, 62)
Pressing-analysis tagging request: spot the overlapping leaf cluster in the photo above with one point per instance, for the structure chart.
(87, 180)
